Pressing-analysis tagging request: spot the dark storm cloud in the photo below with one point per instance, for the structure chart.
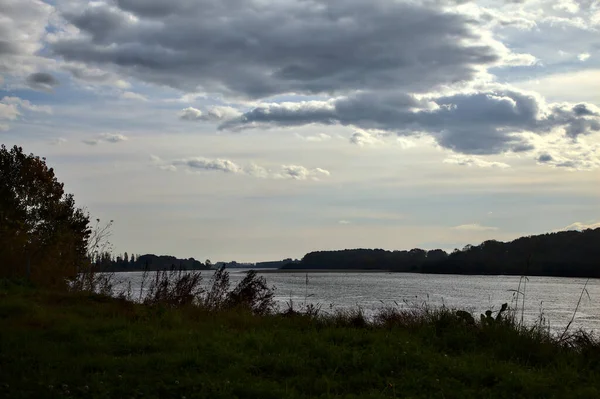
(158, 8)
(7, 48)
(257, 49)
(579, 119)
(472, 123)
(42, 81)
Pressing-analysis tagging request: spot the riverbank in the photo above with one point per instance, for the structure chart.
(77, 345)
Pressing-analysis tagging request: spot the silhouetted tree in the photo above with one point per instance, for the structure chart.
(43, 235)
(565, 253)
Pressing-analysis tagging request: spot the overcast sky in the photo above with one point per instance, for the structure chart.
(257, 130)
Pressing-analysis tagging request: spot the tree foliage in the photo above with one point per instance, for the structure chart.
(565, 253)
(43, 235)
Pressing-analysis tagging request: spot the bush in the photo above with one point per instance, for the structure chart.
(177, 288)
(252, 293)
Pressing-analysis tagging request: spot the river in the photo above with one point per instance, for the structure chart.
(553, 297)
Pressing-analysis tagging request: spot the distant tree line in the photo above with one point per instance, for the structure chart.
(107, 262)
(565, 253)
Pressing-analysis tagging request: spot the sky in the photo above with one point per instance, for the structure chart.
(260, 130)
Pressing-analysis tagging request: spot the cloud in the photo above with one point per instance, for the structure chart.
(8, 111)
(201, 164)
(58, 141)
(113, 137)
(583, 56)
(405, 143)
(545, 157)
(474, 161)
(190, 114)
(582, 226)
(562, 152)
(93, 76)
(309, 48)
(106, 138)
(479, 123)
(474, 227)
(23, 26)
(4, 127)
(212, 114)
(298, 172)
(42, 81)
(315, 138)
(26, 105)
(404, 68)
(128, 95)
(11, 108)
(223, 165)
(363, 137)
(344, 222)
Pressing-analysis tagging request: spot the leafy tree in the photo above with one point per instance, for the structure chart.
(43, 235)
(565, 253)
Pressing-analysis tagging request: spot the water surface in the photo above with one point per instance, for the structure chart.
(554, 297)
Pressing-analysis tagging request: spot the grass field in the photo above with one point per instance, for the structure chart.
(77, 345)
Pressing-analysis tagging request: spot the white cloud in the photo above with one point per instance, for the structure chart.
(190, 114)
(22, 31)
(113, 137)
(405, 143)
(344, 222)
(571, 86)
(58, 141)
(26, 105)
(129, 95)
(315, 138)
(92, 77)
(106, 138)
(8, 112)
(582, 226)
(558, 151)
(200, 164)
(474, 227)
(11, 108)
(583, 56)
(474, 161)
(568, 6)
(364, 137)
(187, 98)
(298, 172)
(212, 114)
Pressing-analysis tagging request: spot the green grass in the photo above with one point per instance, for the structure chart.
(60, 345)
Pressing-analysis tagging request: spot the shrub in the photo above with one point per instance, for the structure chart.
(252, 293)
(174, 288)
(178, 288)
